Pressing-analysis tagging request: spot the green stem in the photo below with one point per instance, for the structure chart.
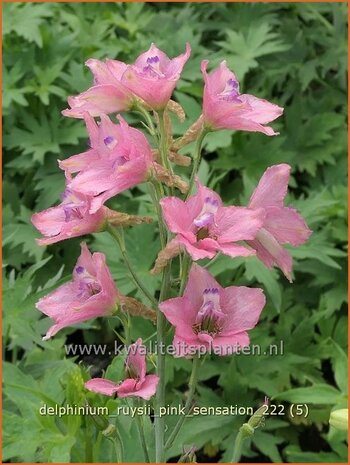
(163, 142)
(156, 195)
(186, 263)
(192, 385)
(139, 423)
(150, 125)
(160, 396)
(120, 240)
(238, 447)
(196, 159)
(118, 447)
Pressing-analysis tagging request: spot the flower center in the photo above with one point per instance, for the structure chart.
(72, 206)
(87, 284)
(231, 91)
(210, 318)
(153, 67)
(119, 161)
(206, 218)
(131, 371)
(110, 142)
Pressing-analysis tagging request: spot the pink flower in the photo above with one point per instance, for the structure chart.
(107, 95)
(282, 225)
(120, 158)
(209, 317)
(225, 108)
(90, 294)
(69, 219)
(203, 226)
(117, 86)
(136, 382)
(154, 75)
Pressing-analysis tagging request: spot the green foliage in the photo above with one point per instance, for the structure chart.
(292, 54)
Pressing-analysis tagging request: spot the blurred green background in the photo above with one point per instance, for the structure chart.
(292, 54)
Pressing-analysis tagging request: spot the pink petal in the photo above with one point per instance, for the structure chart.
(136, 359)
(79, 162)
(153, 51)
(272, 187)
(127, 176)
(106, 73)
(286, 225)
(155, 92)
(49, 222)
(227, 345)
(217, 79)
(181, 313)
(238, 223)
(117, 68)
(176, 215)
(261, 111)
(194, 250)
(176, 65)
(243, 306)
(195, 202)
(234, 250)
(102, 386)
(148, 388)
(271, 253)
(56, 303)
(104, 277)
(184, 347)
(238, 123)
(199, 279)
(97, 100)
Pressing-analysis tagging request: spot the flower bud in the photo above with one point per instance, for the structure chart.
(339, 419)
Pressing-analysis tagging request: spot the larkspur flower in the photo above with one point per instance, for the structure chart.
(71, 218)
(154, 75)
(225, 108)
(204, 227)
(90, 294)
(120, 157)
(282, 225)
(136, 382)
(212, 317)
(117, 86)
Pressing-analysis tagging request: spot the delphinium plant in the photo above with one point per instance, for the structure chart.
(193, 225)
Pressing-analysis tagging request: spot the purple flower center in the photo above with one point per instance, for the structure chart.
(108, 140)
(152, 68)
(210, 318)
(206, 218)
(152, 60)
(80, 269)
(72, 212)
(73, 207)
(231, 91)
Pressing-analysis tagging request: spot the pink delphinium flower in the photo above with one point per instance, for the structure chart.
(117, 86)
(209, 316)
(154, 75)
(69, 219)
(136, 382)
(90, 294)
(107, 95)
(282, 225)
(225, 108)
(203, 226)
(120, 158)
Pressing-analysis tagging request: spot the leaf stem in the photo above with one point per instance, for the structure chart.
(120, 240)
(196, 159)
(139, 423)
(192, 385)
